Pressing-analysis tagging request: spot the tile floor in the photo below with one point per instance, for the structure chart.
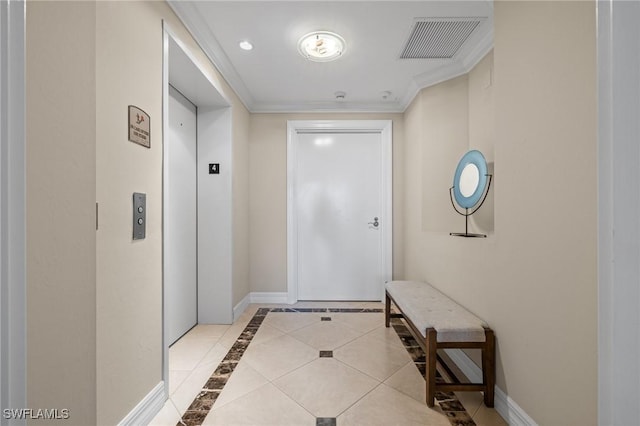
(304, 368)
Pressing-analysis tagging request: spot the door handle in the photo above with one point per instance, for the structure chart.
(375, 222)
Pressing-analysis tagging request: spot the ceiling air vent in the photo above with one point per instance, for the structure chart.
(438, 38)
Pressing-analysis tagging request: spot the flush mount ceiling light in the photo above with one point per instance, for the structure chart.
(321, 46)
(245, 45)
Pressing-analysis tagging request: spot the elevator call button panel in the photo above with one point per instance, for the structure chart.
(139, 215)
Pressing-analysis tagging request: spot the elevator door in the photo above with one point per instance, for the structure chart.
(180, 255)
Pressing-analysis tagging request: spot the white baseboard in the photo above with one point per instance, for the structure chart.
(146, 409)
(504, 405)
(258, 297)
(241, 306)
(269, 297)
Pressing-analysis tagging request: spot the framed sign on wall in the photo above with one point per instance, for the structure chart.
(139, 127)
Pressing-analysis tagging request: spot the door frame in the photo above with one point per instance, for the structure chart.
(181, 69)
(618, 220)
(382, 127)
(13, 270)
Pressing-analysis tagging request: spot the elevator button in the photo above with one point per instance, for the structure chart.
(139, 213)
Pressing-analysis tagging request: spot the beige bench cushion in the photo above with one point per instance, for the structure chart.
(426, 307)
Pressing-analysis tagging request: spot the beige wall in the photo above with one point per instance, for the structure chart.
(240, 188)
(444, 138)
(94, 302)
(95, 298)
(129, 327)
(268, 194)
(129, 283)
(459, 116)
(60, 218)
(546, 111)
(534, 278)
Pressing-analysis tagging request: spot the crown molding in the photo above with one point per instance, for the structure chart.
(329, 107)
(479, 49)
(464, 61)
(201, 33)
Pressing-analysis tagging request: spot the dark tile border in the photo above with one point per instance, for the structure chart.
(325, 421)
(203, 402)
(324, 310)
(448, 401)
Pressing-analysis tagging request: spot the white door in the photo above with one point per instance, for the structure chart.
(180, 242)
(341, 215)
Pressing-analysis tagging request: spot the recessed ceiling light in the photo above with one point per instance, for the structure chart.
(321, 46)
(245, 45)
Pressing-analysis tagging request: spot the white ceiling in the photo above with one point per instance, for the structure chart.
(274, 77)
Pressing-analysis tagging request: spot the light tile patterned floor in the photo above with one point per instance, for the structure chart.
(364, 375)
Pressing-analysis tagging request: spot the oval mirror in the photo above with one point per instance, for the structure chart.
(470, 179)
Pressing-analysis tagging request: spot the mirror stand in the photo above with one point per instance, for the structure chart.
(466, 213)
(466, 232)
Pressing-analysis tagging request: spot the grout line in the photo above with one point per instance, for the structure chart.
(175, 407)
(293, 400)
(456, 416)
(203, 403)
(359, 399)
(360, 371)
(476, 411)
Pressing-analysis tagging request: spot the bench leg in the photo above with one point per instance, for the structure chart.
(489, 367)
(430, 373)
(387, 310)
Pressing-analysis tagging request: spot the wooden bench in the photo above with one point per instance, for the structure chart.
(437, 322)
